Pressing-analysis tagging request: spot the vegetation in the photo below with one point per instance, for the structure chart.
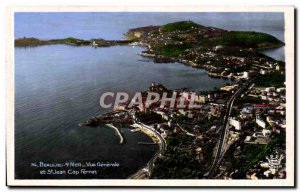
(70, 41)
(191, 29)
(35, 42)
(180, 26)
(237, 52)
(28, 41)
(178, 163)
(244, 39)
(255, 153)
(172, 50)
(149, 118)
(177, 38)
(270, 80)
(181, 119)
(212, 91)
(239, 69)
(248, 99)
(235, 112)
(179, 139)
(249, 39)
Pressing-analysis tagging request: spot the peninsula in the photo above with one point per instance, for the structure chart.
(221, 52)
(31, 42)
(233, 129)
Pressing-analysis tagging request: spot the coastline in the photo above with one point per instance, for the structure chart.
(32, 42)
(147, 131)
(145, 171)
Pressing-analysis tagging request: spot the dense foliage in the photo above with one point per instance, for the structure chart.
(249, 39)
(244, 39)
(270, 80)
(178, 162)
(248, 99)
(172, 50)
(255, 153)
(180, 26)
(28, 41)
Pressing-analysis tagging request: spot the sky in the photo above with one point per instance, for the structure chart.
(112, 25)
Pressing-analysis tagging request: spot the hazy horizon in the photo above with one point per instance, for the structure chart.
(112, 25)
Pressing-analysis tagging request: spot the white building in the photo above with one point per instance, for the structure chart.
(260, 121)
(263, 97)
(270, 89)
(94, 43)
(219, 47)
(281, 89)
(266, 132)
(248, 139)
(245, 75)
(263, 72)
(235, 123)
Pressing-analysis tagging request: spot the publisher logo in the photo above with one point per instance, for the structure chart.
(151, 100)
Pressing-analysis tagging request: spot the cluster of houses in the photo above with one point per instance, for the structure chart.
(255, 123)
(259, 121)
(224, 66)
(207, 111)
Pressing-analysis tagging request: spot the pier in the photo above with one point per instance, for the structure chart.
(117, 131)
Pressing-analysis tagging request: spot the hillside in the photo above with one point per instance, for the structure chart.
(188, 32)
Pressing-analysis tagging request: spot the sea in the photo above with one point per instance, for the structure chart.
(59, 86)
